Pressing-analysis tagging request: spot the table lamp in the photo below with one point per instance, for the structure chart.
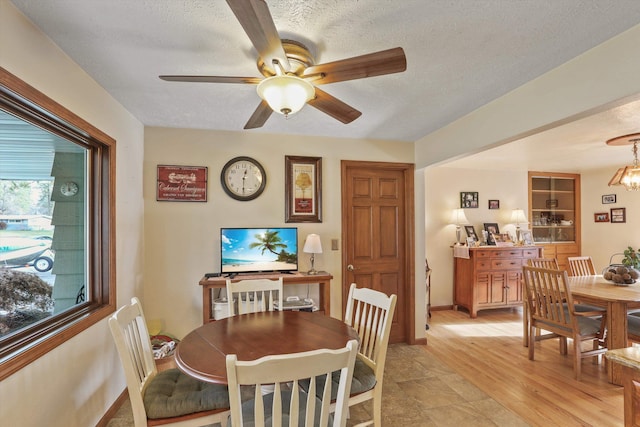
(312, 246)
(458, 218)
(518, 217)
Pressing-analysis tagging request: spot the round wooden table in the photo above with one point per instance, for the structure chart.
(202, 353)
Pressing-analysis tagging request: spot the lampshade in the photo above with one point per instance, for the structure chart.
(286, 94)
(518, 217)
(627, 176)
(312, 245)
(458, 217)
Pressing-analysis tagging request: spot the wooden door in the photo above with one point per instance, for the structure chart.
(377, 236)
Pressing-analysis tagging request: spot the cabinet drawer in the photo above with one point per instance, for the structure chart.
(483, 264)
(482, 254)
(530, 253)
(501, 264)
(507, 254)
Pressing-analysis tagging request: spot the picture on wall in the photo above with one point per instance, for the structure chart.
(494, 204)
(181, 183)
(303, 189)
(618, 215)
(468, 199)
(601, 217)
(608, 198)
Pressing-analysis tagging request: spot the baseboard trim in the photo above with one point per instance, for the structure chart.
(113, 409)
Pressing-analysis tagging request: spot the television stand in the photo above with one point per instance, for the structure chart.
(323, 279)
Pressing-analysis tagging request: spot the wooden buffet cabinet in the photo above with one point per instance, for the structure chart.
(491, 277)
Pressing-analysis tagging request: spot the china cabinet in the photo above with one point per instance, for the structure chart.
(554, 214)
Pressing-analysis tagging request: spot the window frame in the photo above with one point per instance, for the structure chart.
(24, 101)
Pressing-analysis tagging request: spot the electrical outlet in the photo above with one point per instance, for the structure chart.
(334, 244)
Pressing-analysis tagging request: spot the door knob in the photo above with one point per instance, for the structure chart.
(350, 267)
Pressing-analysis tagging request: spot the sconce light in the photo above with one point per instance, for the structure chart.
(458, 218)
(312, 245)
(518, 217)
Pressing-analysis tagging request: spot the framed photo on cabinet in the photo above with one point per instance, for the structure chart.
(303, 189)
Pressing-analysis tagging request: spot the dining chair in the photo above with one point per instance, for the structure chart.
(370, 313)
(633, 327)
(550, 263)
(169, 397)
(581, 266)
(551, 309)
(289, 404)
(254, 295)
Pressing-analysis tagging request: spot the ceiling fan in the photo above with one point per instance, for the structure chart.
(290, 69)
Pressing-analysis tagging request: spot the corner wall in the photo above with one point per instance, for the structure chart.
(75, 384)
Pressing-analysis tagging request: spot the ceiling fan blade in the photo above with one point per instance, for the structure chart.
(212, 79)
(373, 64)
(334, 107)
(255, 18)
(260, 116)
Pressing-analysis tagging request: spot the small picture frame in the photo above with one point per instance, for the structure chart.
(468, 199)
(618, 215)
(607, 199)
(552, 203)
(527, 237)
(471, 232)
(492, 229)
(494, 204)
(601, 217)
(471, 242)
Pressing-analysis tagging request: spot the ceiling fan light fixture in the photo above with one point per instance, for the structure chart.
(286, 94)
(627, 176)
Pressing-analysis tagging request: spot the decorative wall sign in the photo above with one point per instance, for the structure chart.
(303, 189)
(608, 198)
(494, 204)
(468, 199)
(182, 183)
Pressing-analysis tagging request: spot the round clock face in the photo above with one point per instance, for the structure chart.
(69, 189)
(243, 178)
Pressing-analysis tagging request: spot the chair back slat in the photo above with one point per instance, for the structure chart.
(284, 373)
(253, 295)
(581, 266)
(550, 263)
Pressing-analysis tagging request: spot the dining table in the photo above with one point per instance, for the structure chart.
(617, 300)
(202, 353)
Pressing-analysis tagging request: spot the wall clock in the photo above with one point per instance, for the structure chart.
(69, 189)
(243, 178)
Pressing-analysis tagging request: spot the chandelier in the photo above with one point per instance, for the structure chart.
(627, 176)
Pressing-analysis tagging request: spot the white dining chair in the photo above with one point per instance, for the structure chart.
(289, 404)
(254, 295)
(169, 397)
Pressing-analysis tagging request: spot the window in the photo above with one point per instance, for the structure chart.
(57, 176)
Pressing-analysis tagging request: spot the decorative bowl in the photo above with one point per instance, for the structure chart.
(620, 275)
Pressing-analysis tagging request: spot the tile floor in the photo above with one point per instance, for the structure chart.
(419, 390)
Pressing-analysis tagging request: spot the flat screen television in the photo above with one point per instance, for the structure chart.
(252, 250)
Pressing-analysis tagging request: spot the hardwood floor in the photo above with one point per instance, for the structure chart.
(488, 352)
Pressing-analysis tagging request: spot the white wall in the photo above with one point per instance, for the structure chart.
(442, 194)
(182, 239)
(602, 240)
(74, 384)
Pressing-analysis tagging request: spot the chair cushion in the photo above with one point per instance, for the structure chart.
(248, 414)
(363, 379)
(172, 393)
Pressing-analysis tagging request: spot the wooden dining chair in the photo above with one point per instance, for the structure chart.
(581, 266)
(254, 295)
(289, 404)
(161, 398)
(551, 309)
(550, 263)
(633, 327)
(370, 313)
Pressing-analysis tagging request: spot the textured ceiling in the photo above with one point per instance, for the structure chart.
(461, 54)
